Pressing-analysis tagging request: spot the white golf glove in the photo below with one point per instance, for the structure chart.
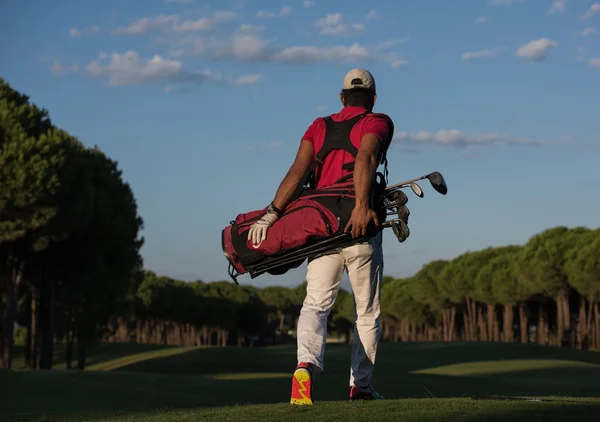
(258, 231)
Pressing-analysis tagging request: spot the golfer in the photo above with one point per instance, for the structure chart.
(371, 134)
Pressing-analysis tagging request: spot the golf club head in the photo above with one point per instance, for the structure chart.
(403, 213)
(437, 181)
(397, 197)
(400, 230)
(417, 190)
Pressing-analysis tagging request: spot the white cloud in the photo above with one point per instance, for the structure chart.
(263, 14)
(247, 45)
(76, 32)
(595, 62)
(175, 23)
(202, 24)
(396, 64)
(390, 43)
(333, 24)
(129, 69)
(588, 31)
(250, 79)
(58, 69)
(592, 11)
(558, 6)
(481, 19)
(581, 54)
(311, 54)
(482, 53)
(224, 15)
(373, 14)
(308, 3)
(144, 25)
(536, 50)
(329, 20)
(343, 29)
(456, 138)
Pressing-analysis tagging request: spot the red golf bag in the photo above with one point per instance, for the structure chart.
(315, 216)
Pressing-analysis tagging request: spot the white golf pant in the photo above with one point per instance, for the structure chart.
(364, 265)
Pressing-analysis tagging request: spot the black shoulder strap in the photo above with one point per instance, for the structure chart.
(334, 140)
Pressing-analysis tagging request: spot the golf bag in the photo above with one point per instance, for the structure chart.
(314, 218)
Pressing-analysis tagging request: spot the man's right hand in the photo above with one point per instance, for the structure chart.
(359, 221)
(258, 231)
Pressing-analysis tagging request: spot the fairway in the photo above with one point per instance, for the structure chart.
(424, 381)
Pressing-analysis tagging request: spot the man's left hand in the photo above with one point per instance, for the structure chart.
(359, 221)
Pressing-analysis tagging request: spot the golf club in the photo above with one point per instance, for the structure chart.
(435, 178)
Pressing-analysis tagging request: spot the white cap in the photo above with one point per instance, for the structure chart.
(359, 78)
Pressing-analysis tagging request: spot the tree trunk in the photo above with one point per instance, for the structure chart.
(474, 333)
(35, 323)
(559, 320)
(69, 349)
(453, 323)
(28, 335)
(281, 321)
(568, 322)
(596, 327)
(47, 321)
(508, 323)
(81, 352)
(523, 323)
(69, 339)
(583, 328)
(2, 310)
(13, 279)
(445, 323)
(542, 325)
(563, 316)
(205, 338)
(224, 337)
(481, 325)
(466, 322)
(491, 314)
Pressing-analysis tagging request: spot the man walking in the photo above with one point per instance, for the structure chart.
(371, 135)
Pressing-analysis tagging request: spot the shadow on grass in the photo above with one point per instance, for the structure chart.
(209, 377)
(97, 354)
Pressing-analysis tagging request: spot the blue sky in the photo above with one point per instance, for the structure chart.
(203, 105)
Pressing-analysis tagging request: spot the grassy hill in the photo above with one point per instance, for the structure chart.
(425, 381)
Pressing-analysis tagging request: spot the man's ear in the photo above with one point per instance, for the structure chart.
(374, 98)
(342, 98)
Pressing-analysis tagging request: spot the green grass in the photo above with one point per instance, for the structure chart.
(425, 382)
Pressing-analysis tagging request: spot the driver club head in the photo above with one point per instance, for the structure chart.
(437, 182)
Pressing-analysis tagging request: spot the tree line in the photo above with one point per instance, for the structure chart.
(71, 271)
(546, 291)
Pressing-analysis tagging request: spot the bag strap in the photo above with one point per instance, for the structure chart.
(342, 142)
